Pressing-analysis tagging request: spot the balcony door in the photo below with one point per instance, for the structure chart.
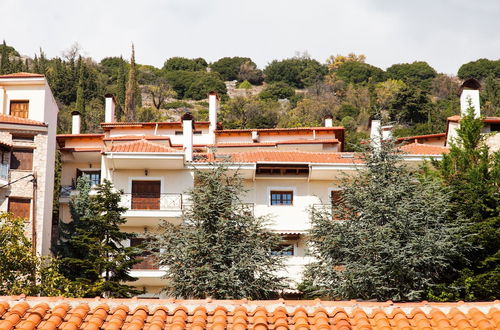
(146, 195)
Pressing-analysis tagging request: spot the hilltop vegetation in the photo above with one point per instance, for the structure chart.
(292, 92)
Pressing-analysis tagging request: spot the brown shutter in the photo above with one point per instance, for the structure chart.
(19, 108)
(20, 207)
(21, 159)
(146, 195)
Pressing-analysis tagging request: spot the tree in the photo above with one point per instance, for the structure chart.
(395, 240)
(298, 72)
(91, 246)
(357, 72)
(472, 174)
(205, 83)
(185, 64)
(80, 100)
(417, 74)
(249, 72)
(4, 60)
(22, 272)
(220, 250)
(334, 62)
(479, 69)
(160, 91)
(242, 112)
(229, 67)
(131, 95)
(410, 106)
(276, 91)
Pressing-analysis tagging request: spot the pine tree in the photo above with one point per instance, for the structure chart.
(91, 248)
(4, 61)
(472, 174)
(395, 240)
(131, 95)
(220, 250)
(80, 98)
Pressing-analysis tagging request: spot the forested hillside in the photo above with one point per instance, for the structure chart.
(293, 92)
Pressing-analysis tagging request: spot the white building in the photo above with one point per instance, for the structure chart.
(28, 121)
(286, 171)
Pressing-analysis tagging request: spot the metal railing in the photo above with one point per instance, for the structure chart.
(66, 190)
(150, 202)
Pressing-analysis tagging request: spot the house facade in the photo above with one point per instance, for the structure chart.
(287, 171)
(28, 122)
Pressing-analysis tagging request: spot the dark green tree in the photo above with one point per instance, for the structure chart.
(91, 246)
(358, 72)
(479, 69)
(395, 240)
(221, 249)
(229, 67)
(417, 74)
(185, 64)
(4, 61)
(131, 94)
(204, 84)
(276, 91)
(121, 90)
(80, 97)
(297, 72)
(472, 174)
(410, 106)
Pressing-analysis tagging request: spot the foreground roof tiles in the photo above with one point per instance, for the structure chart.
(424, 149)
(150, 314)
(141, 146)
(8, 119)
(288, 157)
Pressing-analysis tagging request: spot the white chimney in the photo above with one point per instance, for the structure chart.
(213, 107)
(187, 135)
(469, 96)
(328, 121)
(75, 122)
(255, 136)
(387, 132)
(109, 110)
(375, 134)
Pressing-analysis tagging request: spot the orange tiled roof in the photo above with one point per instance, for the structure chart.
(419, 137)
(22, 75)
(142, 124)
(150, 314)
(424, 149)
(457, 118)
(275, 143)
(140, 146)
(288, 156)
(19, 121)
(292, 129)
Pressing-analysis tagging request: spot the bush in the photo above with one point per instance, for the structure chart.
(177, 104)
(195, 85)
(185, 64)
(229, 67)
(276, 91)
(245, 85)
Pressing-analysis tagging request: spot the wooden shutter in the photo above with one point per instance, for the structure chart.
(20, 207)
(21, 159)
(19, 108)
(146, 195)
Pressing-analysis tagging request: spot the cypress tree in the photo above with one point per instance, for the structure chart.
(4, 61)
(80, 98)
(90, 246)
(131, 95)
(121, 90)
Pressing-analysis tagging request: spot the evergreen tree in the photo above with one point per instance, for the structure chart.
(91, 248)
(220, 250)
(472, 174)
(131, 94)
(4, 61)
(121, 91)
(395, 240)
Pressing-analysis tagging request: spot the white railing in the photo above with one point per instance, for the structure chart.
(151, 202)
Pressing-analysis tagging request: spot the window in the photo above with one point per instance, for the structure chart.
(19, 108)
(146, 259)
(281, 197)
(495, 127)
(23, 137)
(20, 207)
(21, 159)
(93, 175)
(283, 250)
(335, 197)
(282, 170)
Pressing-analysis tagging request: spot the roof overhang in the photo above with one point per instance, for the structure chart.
(142, 160)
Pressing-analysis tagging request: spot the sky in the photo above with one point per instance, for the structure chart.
(445, 33)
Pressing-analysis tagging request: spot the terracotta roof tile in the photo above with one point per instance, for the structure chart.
(150, 314)
(290, 129)
(22, 75)
(8, 119)
(457, 118)
(141, 146)
(424, 149)
(421, 137)
(275, 143)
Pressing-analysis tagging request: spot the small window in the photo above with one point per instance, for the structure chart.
(20, 207)
(94, 176)
(21, 159)
(197, 132)
(281, 197)
(285, 249)
(179, 133)
(23, 138)
(19, 108)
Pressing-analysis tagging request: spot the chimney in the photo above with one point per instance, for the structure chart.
(109, 112)
(213, 107)
(255, 136)
(375, 132)
(469, 96)
(328, 121)
(75, 122)
(187, 135)
(386, 132)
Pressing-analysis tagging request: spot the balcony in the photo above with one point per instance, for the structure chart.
(145, 209)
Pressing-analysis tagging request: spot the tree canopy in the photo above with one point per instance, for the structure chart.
(297, 72)
(479, 69)
(358, 72)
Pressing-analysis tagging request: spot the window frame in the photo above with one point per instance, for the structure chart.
(25, 199)
(291, 190)
(81, 171)
(18, 102)
(27, 150)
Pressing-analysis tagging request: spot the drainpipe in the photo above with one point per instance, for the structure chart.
(33, 216)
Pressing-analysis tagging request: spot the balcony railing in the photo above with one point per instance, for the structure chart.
(146, 201)
(146, 262)
(326, 209)
(66, 190)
